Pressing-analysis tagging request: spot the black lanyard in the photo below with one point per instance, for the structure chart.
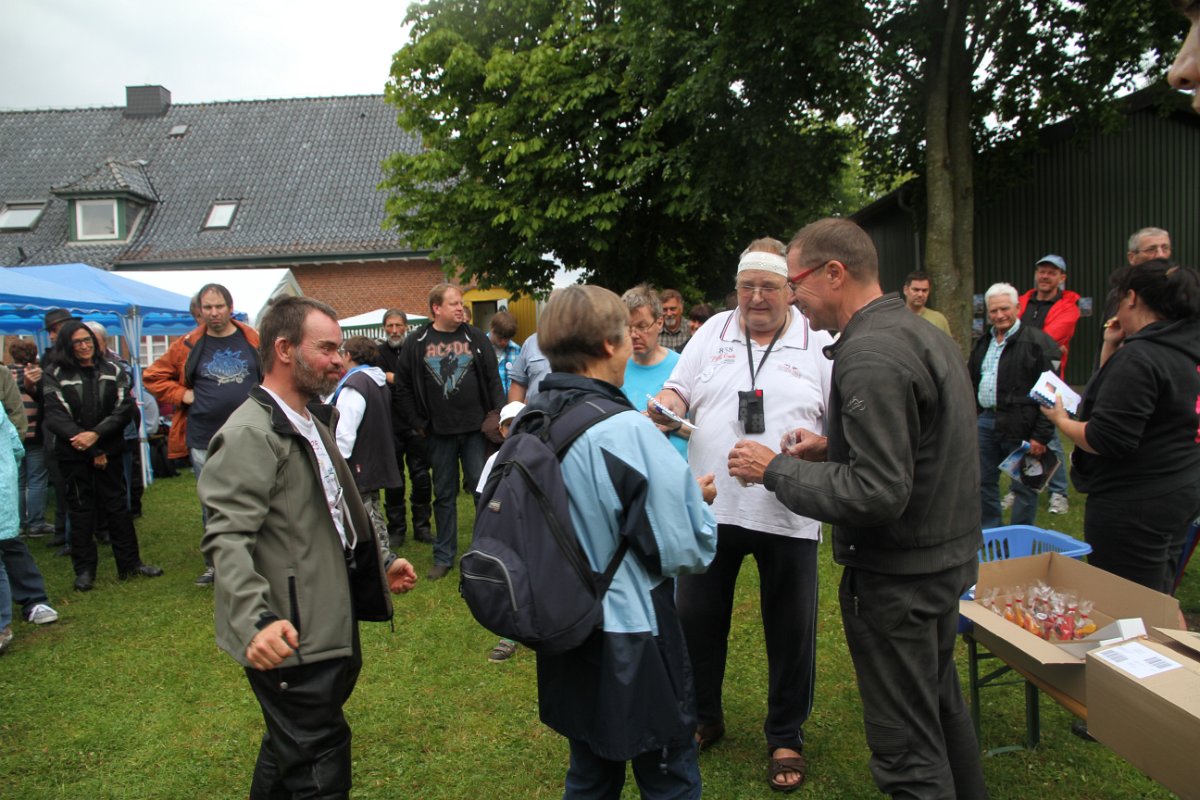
(763, 360)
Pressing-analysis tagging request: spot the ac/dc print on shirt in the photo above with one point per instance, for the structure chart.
(448, 362)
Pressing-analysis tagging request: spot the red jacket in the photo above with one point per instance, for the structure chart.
(1060, 321)
(171, 375)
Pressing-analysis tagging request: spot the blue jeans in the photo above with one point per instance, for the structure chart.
(5, 599)
(992, 451)
(198, 457)
(32, 483)
(1058, 481)
(23, 583)
(445, 454)
(671, 774)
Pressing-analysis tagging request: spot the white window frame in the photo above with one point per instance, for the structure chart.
(14, 209)
(81, 236)
(227, 209)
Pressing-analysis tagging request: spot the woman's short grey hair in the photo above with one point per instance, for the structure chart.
(997, 289)
(577, 322)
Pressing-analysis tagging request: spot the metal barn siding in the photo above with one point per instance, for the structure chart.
(1083, 201)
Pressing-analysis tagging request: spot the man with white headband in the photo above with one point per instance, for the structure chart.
(755, 372)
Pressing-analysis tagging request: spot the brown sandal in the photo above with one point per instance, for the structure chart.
(709, 734)
(786, 765)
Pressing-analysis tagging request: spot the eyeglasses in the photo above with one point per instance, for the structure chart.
(799, 277)
(767, 292)
(1165, 249)
(642, 328)
(83, 342)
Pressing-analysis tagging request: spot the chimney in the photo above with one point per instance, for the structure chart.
(146, 101)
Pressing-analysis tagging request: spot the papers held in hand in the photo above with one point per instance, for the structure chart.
(1033, 471)
(1048, 384)
(669, 414)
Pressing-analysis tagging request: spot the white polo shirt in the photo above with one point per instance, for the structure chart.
(795, 380)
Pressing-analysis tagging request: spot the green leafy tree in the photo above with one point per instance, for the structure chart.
(636, 141)
(960, 86)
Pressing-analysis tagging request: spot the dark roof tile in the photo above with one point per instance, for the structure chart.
(304, 172)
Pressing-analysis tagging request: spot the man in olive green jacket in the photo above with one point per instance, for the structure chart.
(297, 562)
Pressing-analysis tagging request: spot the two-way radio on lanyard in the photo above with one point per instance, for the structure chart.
(751, 409)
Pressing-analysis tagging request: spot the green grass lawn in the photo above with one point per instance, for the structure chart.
(128, 697)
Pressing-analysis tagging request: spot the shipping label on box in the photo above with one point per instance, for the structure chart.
(1144, 705)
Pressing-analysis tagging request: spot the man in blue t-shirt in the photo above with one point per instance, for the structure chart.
(650, 363)
(207, 375)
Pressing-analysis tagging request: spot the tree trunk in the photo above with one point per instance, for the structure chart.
(949, 165)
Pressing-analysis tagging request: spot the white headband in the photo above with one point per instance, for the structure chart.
(768, 262)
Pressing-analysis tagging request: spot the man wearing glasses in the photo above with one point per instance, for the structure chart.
(650, 363)
(1147, 245)
(755, 372)
(898, 477)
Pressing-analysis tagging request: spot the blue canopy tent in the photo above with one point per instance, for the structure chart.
(123, 306)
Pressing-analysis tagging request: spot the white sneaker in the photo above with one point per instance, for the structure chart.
(1007, 501)
(42, 614)
(6, 637)
(1059, 504)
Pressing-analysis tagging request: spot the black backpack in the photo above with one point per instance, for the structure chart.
(526, 577)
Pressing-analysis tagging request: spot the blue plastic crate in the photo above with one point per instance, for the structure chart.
(1017, 541)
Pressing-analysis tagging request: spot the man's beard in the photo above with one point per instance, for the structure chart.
(309, 382)
(394, 342)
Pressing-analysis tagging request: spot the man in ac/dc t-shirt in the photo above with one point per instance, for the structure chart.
(206, 375)
(446, 384)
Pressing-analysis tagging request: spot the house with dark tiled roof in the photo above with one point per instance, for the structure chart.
(265, 183)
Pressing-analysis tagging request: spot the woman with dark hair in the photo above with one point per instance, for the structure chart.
(1136, 439)
(88, 405)
(698, 316)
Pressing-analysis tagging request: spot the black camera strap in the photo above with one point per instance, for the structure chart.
(750, 353)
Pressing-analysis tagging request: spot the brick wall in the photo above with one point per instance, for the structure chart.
(356, 288)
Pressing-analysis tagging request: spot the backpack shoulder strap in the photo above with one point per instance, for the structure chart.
(570, 424)
(564, 430)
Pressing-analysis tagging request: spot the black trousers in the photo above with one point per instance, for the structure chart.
(410, 448)
(305, 751)
(901, 631)
(1140, 540)
(99, 493)
(787, 570)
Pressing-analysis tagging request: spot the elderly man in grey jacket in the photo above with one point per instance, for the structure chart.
(297, 561)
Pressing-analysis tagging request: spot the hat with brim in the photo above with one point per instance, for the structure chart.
(57, 316)
(510, 411)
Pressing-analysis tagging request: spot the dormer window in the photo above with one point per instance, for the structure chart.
(220, 215)
(20, 216)
(96, 219)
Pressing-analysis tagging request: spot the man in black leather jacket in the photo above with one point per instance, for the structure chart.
(897, 477)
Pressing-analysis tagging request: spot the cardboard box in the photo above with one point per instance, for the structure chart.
(1115, 598)
(1152, 720)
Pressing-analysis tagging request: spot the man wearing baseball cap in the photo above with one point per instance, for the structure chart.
(1054, 309)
